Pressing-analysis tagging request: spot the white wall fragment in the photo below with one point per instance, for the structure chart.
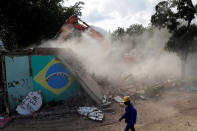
(31, 103)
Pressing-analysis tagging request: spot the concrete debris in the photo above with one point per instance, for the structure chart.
(110, 97)
(174, 84)
(4, 121)
(191, 89)
(106, 104)
(30, 104)
(71, 62)
(141, 92)
(108, 110)
(188, 88)
(91, 113)
(143, 97)
(105, 101)
(118, 99)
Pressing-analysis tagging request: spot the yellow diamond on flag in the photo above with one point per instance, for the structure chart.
(54, 77)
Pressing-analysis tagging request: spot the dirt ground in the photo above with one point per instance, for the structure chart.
(173, 110)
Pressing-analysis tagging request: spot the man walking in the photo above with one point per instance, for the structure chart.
(130, 114)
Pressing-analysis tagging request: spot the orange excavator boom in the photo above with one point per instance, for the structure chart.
(73, 22)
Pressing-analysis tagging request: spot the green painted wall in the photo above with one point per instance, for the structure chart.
(19, 81)
(52, 79)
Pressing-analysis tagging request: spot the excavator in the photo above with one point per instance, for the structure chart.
(77, 23)
(73, 22)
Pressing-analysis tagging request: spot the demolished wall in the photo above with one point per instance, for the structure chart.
(83, 77)
(31, 70)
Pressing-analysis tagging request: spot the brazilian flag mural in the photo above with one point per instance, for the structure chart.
(53, 79)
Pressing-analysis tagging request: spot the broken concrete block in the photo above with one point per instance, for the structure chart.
(85, 79)
(105, 101)
(118, 99)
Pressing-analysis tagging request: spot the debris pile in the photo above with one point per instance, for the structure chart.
(118, 99)
(105, 102)
(92, 113)
(92, 88)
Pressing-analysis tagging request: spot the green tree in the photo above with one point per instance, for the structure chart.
(118, 34)
(26, 22)
(173, 14)
(132, 30)
(164, 16)
(135, 30)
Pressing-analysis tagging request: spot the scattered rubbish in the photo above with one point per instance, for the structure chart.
(108, 110)
(110, 97)
(174, 84)
(143, 97)
(192, 89)
(141, 92)
(91, 112)
(188, 89)
(30, 104)
(153, 92)
(108, 103)
(105, 101)
(182, 89)
(4, 121)
(122, 104)
(118, 99)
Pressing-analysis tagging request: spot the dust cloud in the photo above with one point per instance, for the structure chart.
(138, 58)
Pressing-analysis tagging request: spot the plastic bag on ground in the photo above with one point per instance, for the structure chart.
(91, 112)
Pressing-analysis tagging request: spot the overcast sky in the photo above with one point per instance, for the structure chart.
(111, 14)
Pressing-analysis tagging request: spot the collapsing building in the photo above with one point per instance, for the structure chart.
(48, 70)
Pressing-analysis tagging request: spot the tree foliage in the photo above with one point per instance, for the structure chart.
(132, 30)
(177, 16)
(135, 29)
(118, 34)
(164, 17)
(178, 41)
(186, 10)
(26, 22)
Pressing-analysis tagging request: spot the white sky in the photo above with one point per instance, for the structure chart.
(111, 14)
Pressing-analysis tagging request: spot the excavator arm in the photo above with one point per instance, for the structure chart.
(73, 23)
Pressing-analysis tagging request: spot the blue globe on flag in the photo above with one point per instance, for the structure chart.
(57, 76)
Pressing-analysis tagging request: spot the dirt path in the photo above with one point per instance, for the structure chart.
(173, 111)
